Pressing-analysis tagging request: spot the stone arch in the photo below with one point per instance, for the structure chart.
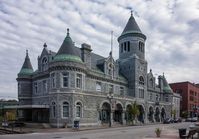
(117, 117)
(150, 114)
(141, 115)
(128, 115)
(163, 114)
(105, 112)
(157, 114)
(104, 101)
(119, 102)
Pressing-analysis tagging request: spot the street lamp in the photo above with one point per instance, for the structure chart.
(110, 97)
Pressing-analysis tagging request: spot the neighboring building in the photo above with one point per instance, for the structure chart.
(76, 84)
(176, 105)
(190, 97)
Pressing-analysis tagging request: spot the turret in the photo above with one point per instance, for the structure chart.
(132, 40)
(24, 80)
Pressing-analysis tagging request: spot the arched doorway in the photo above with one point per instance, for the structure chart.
(128, 115)
(150, 115)
(157, 115)
(105, 114)
(118, 113)
(163, 114)
(141, 113)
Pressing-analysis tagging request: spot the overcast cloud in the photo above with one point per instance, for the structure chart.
(171, 27)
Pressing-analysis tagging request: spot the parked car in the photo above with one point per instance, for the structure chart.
(193, 119)
(167, 121)
(177, 120)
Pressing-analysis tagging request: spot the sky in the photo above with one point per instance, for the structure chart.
(171, 27)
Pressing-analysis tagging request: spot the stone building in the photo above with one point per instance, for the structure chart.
(77, 84)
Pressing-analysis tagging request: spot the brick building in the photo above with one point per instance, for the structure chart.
(190, 97)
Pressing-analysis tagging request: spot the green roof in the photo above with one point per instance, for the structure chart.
(67, 57)
(25, 71)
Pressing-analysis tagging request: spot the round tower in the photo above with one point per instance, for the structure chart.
(67, 75)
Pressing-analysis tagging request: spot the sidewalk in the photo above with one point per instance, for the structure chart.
(166, 134)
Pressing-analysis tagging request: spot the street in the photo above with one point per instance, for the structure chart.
(130, 132)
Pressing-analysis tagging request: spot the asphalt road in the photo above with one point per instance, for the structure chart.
(130, 132)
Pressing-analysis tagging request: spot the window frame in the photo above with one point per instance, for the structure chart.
(65, 106)
(78, 81)
(66, 76)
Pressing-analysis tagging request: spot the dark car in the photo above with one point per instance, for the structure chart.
(167, 121)
(177, 120)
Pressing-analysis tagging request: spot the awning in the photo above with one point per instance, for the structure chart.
(26, 106)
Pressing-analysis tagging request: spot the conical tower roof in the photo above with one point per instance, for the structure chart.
(166, 87)
(26, 69)
(132, 28)
(67, 51)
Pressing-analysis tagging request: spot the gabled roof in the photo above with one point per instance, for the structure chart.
(131, 26)
(26, 69)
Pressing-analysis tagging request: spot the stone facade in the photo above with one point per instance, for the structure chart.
(75, 84)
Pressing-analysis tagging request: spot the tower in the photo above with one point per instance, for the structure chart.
(24, 80)
(132, 58)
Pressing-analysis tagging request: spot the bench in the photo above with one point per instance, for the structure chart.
(189, 135)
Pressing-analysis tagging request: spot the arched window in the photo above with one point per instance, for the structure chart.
(53, 109)
(65, 109)
(78, 109)
(44, 64)
(141, 80)
(151, 82)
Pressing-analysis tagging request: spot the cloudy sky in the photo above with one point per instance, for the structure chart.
(171, 27)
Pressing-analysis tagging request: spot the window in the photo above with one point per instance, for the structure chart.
(79, 81)
(53, 109)
(19, 88)
(35, 88)
(141, 80)
(141, 46)
(167, 98)
(65, 77)
(151, 96)
(44, 86)
(110, 88)
(151, 82)
(78, 109)
(141, 93)
(156, 98)
(65, 109)
(121, 90)
(125, 47)
(128, 46)
(98, 86)
(44, 64)
(53, 80)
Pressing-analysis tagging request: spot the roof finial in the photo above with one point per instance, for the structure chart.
(45, 45)
(26, 52)
(67, 31)
(111, 43)
(131, 12)
(150, 70)
(163, 74)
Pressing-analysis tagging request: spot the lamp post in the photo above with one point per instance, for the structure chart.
(110, 97)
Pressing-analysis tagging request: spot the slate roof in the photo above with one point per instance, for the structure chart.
(67, 51)
(166, 87)
(131, 26)
(27, 66)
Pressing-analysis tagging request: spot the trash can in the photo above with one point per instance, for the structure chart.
(182, 131)
(76, 124)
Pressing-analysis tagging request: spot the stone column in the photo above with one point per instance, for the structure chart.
(123, 118)
(146, 118)
(111, 119)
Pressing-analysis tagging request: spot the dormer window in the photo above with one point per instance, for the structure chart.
(141, 80)
(141, 46)
(44, 64)
(151, 82)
